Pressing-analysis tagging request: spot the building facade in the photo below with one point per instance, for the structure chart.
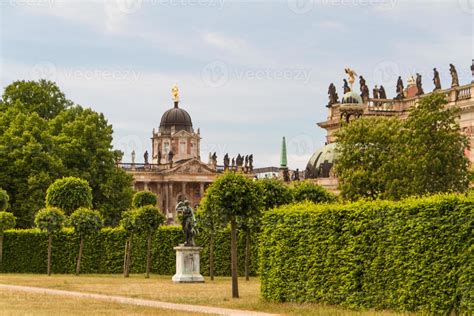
(175, 171)
(353, 106)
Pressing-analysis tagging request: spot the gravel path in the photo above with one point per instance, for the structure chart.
(134, 301)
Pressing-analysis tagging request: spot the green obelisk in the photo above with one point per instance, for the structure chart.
(283, 157)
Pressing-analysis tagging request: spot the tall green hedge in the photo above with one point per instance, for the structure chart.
(414, 255)
(25, 251)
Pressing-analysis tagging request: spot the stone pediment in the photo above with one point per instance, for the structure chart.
(192, 166)
(183, 133)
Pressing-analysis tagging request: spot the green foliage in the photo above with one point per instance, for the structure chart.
(43, 137)
(234, 195)
(128, 222)
(143, 198)
(390, 159)
(274, 193)
(413, 255)
(50, 219)
(7, 221)
(25, 251)
(308, 191)
(85, 221)
(147, 219)
(3, 200)
(69, 194)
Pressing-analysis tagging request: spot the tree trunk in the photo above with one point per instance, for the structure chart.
(233, 247)
(50, 241)
(129, 257)
(148, 257)
(125, 258)
(211, 257)
(1, 250)
(247, 254)
(79, 257)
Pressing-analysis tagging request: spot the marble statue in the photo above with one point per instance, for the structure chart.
(133, 157)
(454, 76)
(188, 222)
(145, 157)
(419, 85)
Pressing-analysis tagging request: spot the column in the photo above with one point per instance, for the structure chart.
(183, 189)
(145, 186)
(167, 199)
(171, 202)
(201, 189)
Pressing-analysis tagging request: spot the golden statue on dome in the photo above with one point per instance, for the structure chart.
(175, 93)
(351, 74)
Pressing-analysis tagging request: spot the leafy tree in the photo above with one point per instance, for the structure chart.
(43, 137)
(7, 221)
(274, 193)
(143, 198)
(147, 220)
(86, 222)
(42, 97)
(69, 194)
(51, 220)
(236, 196)
(391, 159)
(3, 200)
(434, 149)
(208, 220)
(307, 191)
(128, 224)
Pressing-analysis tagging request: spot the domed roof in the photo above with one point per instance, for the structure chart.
(351, 97)
(321, 162)
(177, 117)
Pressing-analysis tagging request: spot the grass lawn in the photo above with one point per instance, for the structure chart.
(22, 303)
(211, 293)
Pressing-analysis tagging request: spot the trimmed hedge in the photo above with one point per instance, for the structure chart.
(414, 255)
(25, 251)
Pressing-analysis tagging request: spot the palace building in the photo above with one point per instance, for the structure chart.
(175, 171)
(353, 105)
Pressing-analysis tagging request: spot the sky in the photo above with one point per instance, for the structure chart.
(249, 72)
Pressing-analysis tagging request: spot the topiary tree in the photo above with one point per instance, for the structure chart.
(274, 193)
(143, 198)
(307, 191)
(7, 221)
(86, 222)
(69, 194)
(128, 224)
(208, 220)
(49, 219)
(236, 197)
(147, 219)
(4, 198)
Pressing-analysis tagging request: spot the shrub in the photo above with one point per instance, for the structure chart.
(7, 221)
(274, 193)
(143, 198)
(3, 200)
(86, 222)
(49, 219)
(69, 194)
(415, 255)
(307, 191)
(25, 250)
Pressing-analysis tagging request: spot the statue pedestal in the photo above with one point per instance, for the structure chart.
(187, 265)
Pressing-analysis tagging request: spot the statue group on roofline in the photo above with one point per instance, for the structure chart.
(240, 163)
(379, 92)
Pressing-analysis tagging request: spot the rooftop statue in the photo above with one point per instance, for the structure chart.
(345, 87)
(188, 222)
(399, 88)
(419, 85)
(351, 75)
(363, 89)
(175, 93)
(454, 76)
(333, 97)
(145, 157)
(375, 92)
(436, 80)
(382, 94)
